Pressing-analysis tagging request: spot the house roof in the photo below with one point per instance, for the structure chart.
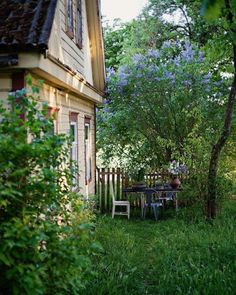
(26, 24)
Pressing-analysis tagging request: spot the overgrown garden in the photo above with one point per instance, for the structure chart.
(170, 94)
(182, 254)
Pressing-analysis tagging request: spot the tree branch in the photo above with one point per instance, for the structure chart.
(187, 22)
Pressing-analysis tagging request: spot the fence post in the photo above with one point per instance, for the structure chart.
(123, 182)
(120, 179)
(108, 190)
(98, 189)
(118, 183)
(103, 190)
(113, 181)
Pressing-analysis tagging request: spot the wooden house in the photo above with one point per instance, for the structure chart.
(59, 42)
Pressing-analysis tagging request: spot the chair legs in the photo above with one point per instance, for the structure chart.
(113, 210)
(144, 211)
(121, 213)
(128, 211)
(154, 207)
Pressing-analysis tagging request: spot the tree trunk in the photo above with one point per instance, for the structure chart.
(217, 148)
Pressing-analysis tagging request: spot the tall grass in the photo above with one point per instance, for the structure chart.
(181, 254)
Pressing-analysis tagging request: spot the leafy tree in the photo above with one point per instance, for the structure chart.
(161, 104)
(227, 10)
(115, 37)
(216, 40)
(172, 20)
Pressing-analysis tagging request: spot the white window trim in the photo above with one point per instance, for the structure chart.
(87, 148)
(74, 150)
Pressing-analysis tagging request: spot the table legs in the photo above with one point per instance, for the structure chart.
(176, 202)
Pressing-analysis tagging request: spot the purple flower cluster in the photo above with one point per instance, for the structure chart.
(188, 52)
(153, 69)
(176, 61)
(137, 58)
(206, 78)
(187, 83)
(200, 56)
(167, 44)
(169, 65)
(110, 74)
(123, 75)
(106, 101)
(177, 168)
(168, 75)
(153, 53)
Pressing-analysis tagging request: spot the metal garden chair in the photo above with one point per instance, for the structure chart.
(148, 202)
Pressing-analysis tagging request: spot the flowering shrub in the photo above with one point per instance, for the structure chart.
(161, 105)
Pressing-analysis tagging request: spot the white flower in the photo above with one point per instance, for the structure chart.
(175, 168)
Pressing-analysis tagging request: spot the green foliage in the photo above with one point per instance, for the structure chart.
(44, 230)
(162, 104)
(179, 255)
(158, 24)
(147, 134)
(115, 37)
(152, 28)
(212, 8)
(137, 175)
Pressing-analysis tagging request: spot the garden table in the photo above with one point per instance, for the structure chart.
(152, 190)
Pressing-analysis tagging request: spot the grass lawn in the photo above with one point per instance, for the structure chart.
(181, 254)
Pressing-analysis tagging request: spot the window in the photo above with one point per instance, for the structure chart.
(87, 149)
(79, 24)
(69, 18)
(74, 145)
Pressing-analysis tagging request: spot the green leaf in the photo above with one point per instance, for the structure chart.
(4, 259)
(29, 79)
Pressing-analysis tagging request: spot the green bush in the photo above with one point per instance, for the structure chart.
(45, 234)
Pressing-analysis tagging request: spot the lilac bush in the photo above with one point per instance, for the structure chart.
(162, 102)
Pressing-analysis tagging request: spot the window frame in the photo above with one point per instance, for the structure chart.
(70, 27)
(75, 141)
(79, 25)
(53, 113)
(87, 151)
(73, 121)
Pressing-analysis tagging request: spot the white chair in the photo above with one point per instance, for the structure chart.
(119, 203)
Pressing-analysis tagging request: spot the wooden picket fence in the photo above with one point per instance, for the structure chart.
(120, 179)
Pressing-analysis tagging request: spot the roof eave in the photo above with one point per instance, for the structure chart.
(96, 40)
(8, 48)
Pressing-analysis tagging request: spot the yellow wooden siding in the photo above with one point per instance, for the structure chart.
(65, 49)
(88, 72)
(5, 87)
(67, 103)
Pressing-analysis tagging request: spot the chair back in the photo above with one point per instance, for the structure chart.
(148, 198)
(170, 196)
(112, 192)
